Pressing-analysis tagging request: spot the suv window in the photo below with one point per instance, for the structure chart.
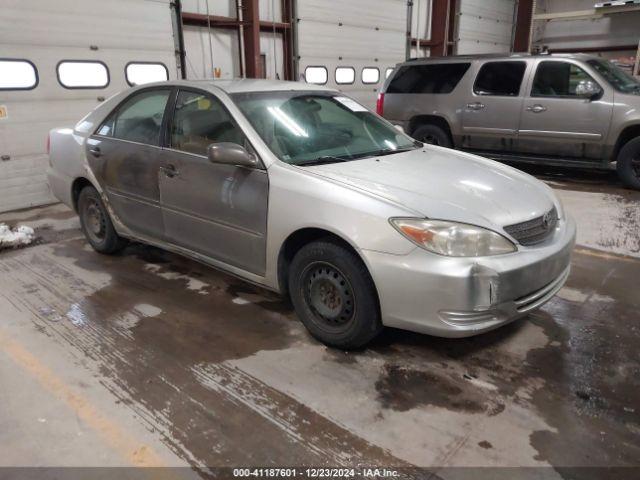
(139, 118)
(430, 78)
(200, 120)
(500, 79)
(558, 79)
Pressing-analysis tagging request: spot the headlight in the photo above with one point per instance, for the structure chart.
(453, 239)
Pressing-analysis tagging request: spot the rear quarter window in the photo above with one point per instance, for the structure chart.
(439, 78)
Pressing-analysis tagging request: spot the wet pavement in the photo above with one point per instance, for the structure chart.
(201, 369)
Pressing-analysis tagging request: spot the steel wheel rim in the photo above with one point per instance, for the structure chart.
(94, 221)
(328, 295)
(635, 165)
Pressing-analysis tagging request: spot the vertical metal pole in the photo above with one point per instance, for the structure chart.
(251, 34)
(407, 52)
(178, 37)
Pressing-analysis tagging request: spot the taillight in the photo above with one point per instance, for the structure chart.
(380, 104)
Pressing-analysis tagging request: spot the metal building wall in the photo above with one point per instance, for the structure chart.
(357, 33)
(112, 31)
(484, 26)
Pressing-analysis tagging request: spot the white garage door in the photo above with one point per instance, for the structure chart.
(484, 26)
(96, 40)
(351, 45)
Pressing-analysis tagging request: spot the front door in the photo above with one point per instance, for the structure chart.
(556, 121)
(216, 210)
(124, 155)
(491, 112)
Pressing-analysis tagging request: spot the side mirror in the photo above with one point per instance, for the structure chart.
(228, 153)
(588, 89)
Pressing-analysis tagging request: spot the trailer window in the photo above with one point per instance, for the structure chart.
(139, 73)
(317, 75)
(83, 74)
(370, 75)
(345, 75)
(17, 74)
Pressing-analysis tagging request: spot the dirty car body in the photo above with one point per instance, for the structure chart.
(301, 190)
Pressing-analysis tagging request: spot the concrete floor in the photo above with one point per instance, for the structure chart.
(147, 358)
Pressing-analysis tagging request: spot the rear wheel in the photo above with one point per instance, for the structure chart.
(628, 164)
(96, 224)
(433, 135)
(334, 295)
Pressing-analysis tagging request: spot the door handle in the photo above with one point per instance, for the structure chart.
(169, 170)
(536, 108)
(475, 106)
(95, 151)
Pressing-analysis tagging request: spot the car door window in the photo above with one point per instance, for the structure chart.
(200, 120)
(558, 79)
(500, 79)
(139, 118)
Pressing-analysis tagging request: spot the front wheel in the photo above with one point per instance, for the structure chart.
(628, 165)
(334, 295)
(96, 224)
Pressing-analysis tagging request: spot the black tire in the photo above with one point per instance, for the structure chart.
(628, 165)
(432, 134)
(96, 224)
(334, 295)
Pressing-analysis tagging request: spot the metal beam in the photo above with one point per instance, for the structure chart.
(524, 17)
(217, 21)
(439, 30)
(251, 34)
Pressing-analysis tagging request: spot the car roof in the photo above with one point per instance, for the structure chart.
(245, 85)
(497, 56)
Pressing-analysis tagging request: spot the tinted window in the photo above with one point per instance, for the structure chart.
(558, 79)
(141, 73)
(17, 75)
(435, 78)
(370, 75)
(200, 120)
(317, 75)
(139, 119)
(500, 78)
(83, 74)
(617, 78)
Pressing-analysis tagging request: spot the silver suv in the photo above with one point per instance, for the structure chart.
(568, 110)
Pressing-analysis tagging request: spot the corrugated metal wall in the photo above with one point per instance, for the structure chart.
(358, 34)
(112, 31)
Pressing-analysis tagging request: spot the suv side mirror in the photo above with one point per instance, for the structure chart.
(228, 153)
(588, 89)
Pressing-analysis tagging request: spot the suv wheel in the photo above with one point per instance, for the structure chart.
(629, 164)
(433, 135)
(334, 295)
(96, 224)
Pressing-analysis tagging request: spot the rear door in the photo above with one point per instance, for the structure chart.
(556, 121)
(216, 210)
(125, 155)
(491, 111)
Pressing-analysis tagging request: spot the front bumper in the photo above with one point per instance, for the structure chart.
(459, 297)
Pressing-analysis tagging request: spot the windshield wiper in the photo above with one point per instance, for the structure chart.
(324, 160)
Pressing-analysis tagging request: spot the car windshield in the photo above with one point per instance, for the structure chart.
(617, 78)
(304, 128)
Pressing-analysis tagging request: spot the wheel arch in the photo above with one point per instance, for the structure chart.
(76, 187)
(297, 240)
(626, 135)
(436, 120)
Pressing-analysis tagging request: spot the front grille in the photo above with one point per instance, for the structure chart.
(534, 231)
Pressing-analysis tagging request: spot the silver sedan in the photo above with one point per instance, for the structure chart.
(303, 191)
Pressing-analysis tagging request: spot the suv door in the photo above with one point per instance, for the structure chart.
(491, 112)
(216, 210)
(124, 155)
(556, 120)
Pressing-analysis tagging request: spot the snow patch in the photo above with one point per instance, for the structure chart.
(17, 237)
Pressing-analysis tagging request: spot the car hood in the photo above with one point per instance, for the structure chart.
(441, 183)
